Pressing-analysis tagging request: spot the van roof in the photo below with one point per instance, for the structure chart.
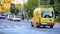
(47, 9)
(44, 9)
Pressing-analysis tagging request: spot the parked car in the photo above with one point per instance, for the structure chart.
(9, 17)
(16, 18)
(2, 16)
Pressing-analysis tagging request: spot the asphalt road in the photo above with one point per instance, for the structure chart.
(24, 27)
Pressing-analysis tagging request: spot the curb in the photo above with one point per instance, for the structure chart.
(57, 23)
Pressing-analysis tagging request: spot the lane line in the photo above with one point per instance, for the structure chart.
(9, 26)
(15, 26)
(2, 26)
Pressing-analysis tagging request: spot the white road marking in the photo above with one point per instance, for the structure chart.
(2, 26)
(15, 26)
(9, 26)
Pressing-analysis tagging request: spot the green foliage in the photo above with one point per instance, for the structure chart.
(43, 2)
(31, 5)
(57, 19)
(30, 13)
(15, 10)
(12, 10)
(57, 7)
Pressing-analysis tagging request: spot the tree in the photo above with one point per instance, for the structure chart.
(56, 6)
(14, 11)
(31, 5)
(17, 11)
(6, 4)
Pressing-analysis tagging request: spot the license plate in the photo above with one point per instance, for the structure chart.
(43, 23)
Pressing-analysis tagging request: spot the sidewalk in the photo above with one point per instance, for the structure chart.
(26, 20)
(57, 23)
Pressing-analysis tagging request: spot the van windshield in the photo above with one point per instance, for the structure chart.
(47, 14)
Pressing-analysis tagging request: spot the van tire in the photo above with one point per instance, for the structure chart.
(51, 26)
(31, 24)
(44, 26)
(37, 25)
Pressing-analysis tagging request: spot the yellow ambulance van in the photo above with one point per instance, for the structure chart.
(43, 17)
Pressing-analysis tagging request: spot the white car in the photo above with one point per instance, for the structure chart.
(9, 17)
(16, 18)
(2, 16)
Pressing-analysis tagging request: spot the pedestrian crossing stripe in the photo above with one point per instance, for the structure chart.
(15, 26)
(10, 28)
(7, 26)
(2, 26)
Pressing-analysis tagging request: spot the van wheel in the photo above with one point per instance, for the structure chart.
(37, 25)
(51, 26)
(44, 26)
(31, 24)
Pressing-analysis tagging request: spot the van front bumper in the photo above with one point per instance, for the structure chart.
(47, 24)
